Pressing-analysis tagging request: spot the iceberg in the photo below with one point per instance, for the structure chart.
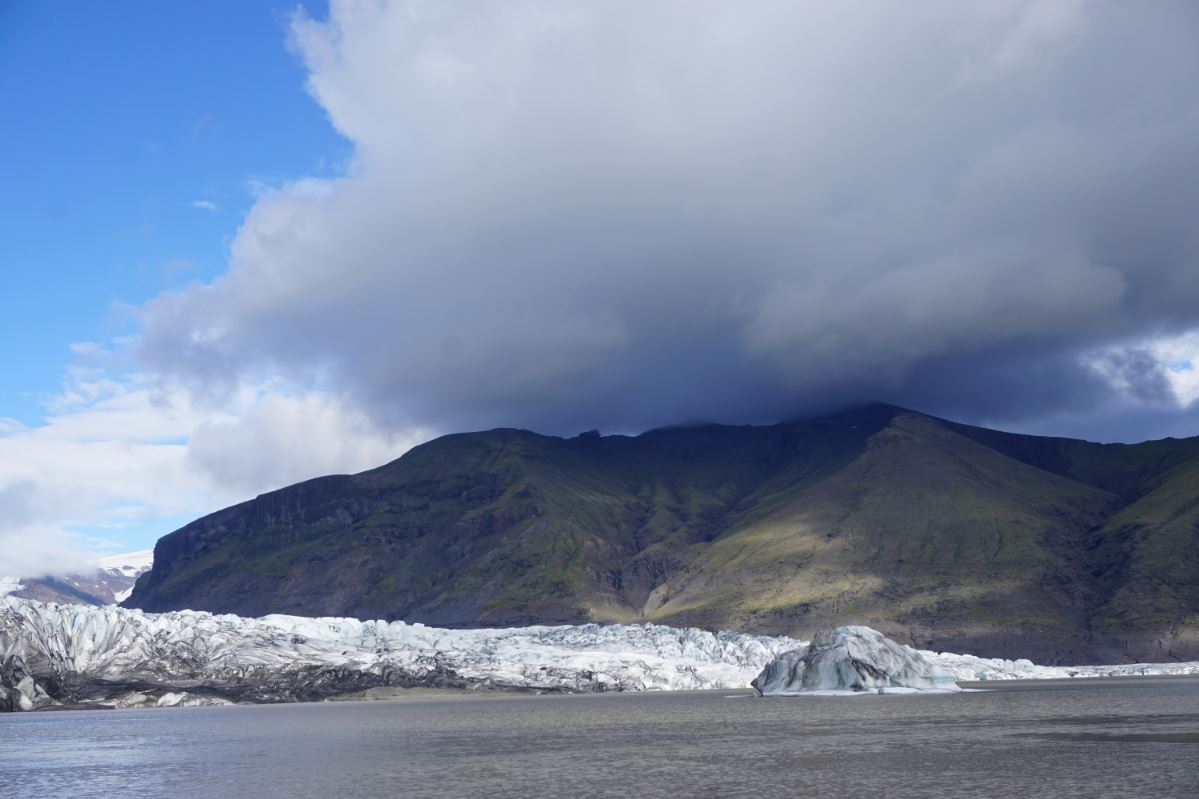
(860, 659)
(852, 660)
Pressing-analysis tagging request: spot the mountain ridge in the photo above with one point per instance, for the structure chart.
(939, 534)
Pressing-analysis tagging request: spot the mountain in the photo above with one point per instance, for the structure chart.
(109, 584)
(938, 534)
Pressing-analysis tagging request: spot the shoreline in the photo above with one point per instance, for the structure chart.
(424, 695)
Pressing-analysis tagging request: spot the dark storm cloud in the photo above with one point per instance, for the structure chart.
(628, 214)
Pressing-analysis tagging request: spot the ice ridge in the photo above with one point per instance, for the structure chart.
(107, 654)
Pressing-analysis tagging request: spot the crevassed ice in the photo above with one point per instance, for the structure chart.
(283, 658)
(114, 643)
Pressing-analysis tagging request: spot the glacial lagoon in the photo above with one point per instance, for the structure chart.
(1079, 738)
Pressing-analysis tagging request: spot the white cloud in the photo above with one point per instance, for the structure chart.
(1159, 369)
(204, 205)
(1178, 358)
(116, 452)
(278, 439)
(9, 426)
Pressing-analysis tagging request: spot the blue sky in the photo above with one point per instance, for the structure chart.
(138, 134)
(125, 121)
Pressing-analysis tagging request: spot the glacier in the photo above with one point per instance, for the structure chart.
(78, 655)
(67, 655)
(970, 668)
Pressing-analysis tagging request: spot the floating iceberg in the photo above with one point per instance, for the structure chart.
(859, 659)
(852, 659)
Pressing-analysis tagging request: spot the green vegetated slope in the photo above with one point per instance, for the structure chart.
(942, 535)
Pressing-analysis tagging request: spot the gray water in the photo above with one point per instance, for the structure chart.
(1128, 738)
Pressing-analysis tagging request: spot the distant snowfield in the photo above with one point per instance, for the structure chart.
(110, 582)
(126, 657)
(130, 564)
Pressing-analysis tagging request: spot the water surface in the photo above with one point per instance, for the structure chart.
(1085, 738)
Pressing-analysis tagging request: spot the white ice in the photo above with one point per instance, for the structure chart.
(859, 659)
(178, 650)
(113, 643)
(970, 667)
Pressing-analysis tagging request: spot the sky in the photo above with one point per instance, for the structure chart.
(247, 244)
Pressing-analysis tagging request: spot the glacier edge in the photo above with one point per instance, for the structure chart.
(78, 655)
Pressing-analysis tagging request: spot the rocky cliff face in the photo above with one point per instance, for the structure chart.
(939, 535)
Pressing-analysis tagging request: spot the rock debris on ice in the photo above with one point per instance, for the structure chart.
(115, 656)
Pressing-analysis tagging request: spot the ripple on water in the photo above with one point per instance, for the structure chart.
(1131, 738)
